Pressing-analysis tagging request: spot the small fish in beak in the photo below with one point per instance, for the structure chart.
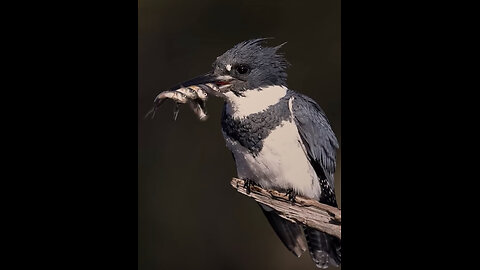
(195, 92)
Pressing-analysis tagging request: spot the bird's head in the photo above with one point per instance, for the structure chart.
(246, 66)
(249, 65)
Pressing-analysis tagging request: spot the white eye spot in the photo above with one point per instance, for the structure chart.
(228, 67)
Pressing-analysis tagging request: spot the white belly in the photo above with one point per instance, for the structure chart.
(281, 164)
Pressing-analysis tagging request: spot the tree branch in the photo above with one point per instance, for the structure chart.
(308, 212)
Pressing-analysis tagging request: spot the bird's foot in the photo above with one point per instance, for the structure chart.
(248, 184)
(292, 194)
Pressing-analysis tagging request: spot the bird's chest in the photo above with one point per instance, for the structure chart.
(251, 132)
(279, 163)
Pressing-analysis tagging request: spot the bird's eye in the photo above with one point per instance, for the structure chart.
(242, 69)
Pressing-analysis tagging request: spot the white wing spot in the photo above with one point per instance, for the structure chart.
(290, 105)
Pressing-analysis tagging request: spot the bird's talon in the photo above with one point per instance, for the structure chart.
(291, 195)
(248, 184)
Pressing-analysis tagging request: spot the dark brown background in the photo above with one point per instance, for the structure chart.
(189, 216)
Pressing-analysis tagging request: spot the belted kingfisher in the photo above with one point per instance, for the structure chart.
(280, 139)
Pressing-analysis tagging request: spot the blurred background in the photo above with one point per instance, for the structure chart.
(189, 217)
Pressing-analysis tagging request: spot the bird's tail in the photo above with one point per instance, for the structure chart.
(289, 233)
(324, 249)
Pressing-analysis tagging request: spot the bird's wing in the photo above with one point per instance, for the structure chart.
(316, 134)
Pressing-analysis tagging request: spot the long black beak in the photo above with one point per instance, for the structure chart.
(212, 84)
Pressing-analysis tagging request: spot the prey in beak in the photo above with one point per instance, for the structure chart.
(210, 82)
(194, 92)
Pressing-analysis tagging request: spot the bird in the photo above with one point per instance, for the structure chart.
(279, 138)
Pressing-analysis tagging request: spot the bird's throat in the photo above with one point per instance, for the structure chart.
(253, 101)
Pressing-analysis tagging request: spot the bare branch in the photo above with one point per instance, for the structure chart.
(311, 213)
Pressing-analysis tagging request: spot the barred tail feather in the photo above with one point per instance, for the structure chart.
(324, 249)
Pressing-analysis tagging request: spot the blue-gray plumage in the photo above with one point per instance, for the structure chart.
(279, 138)
(320, 143)
(259, 124)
